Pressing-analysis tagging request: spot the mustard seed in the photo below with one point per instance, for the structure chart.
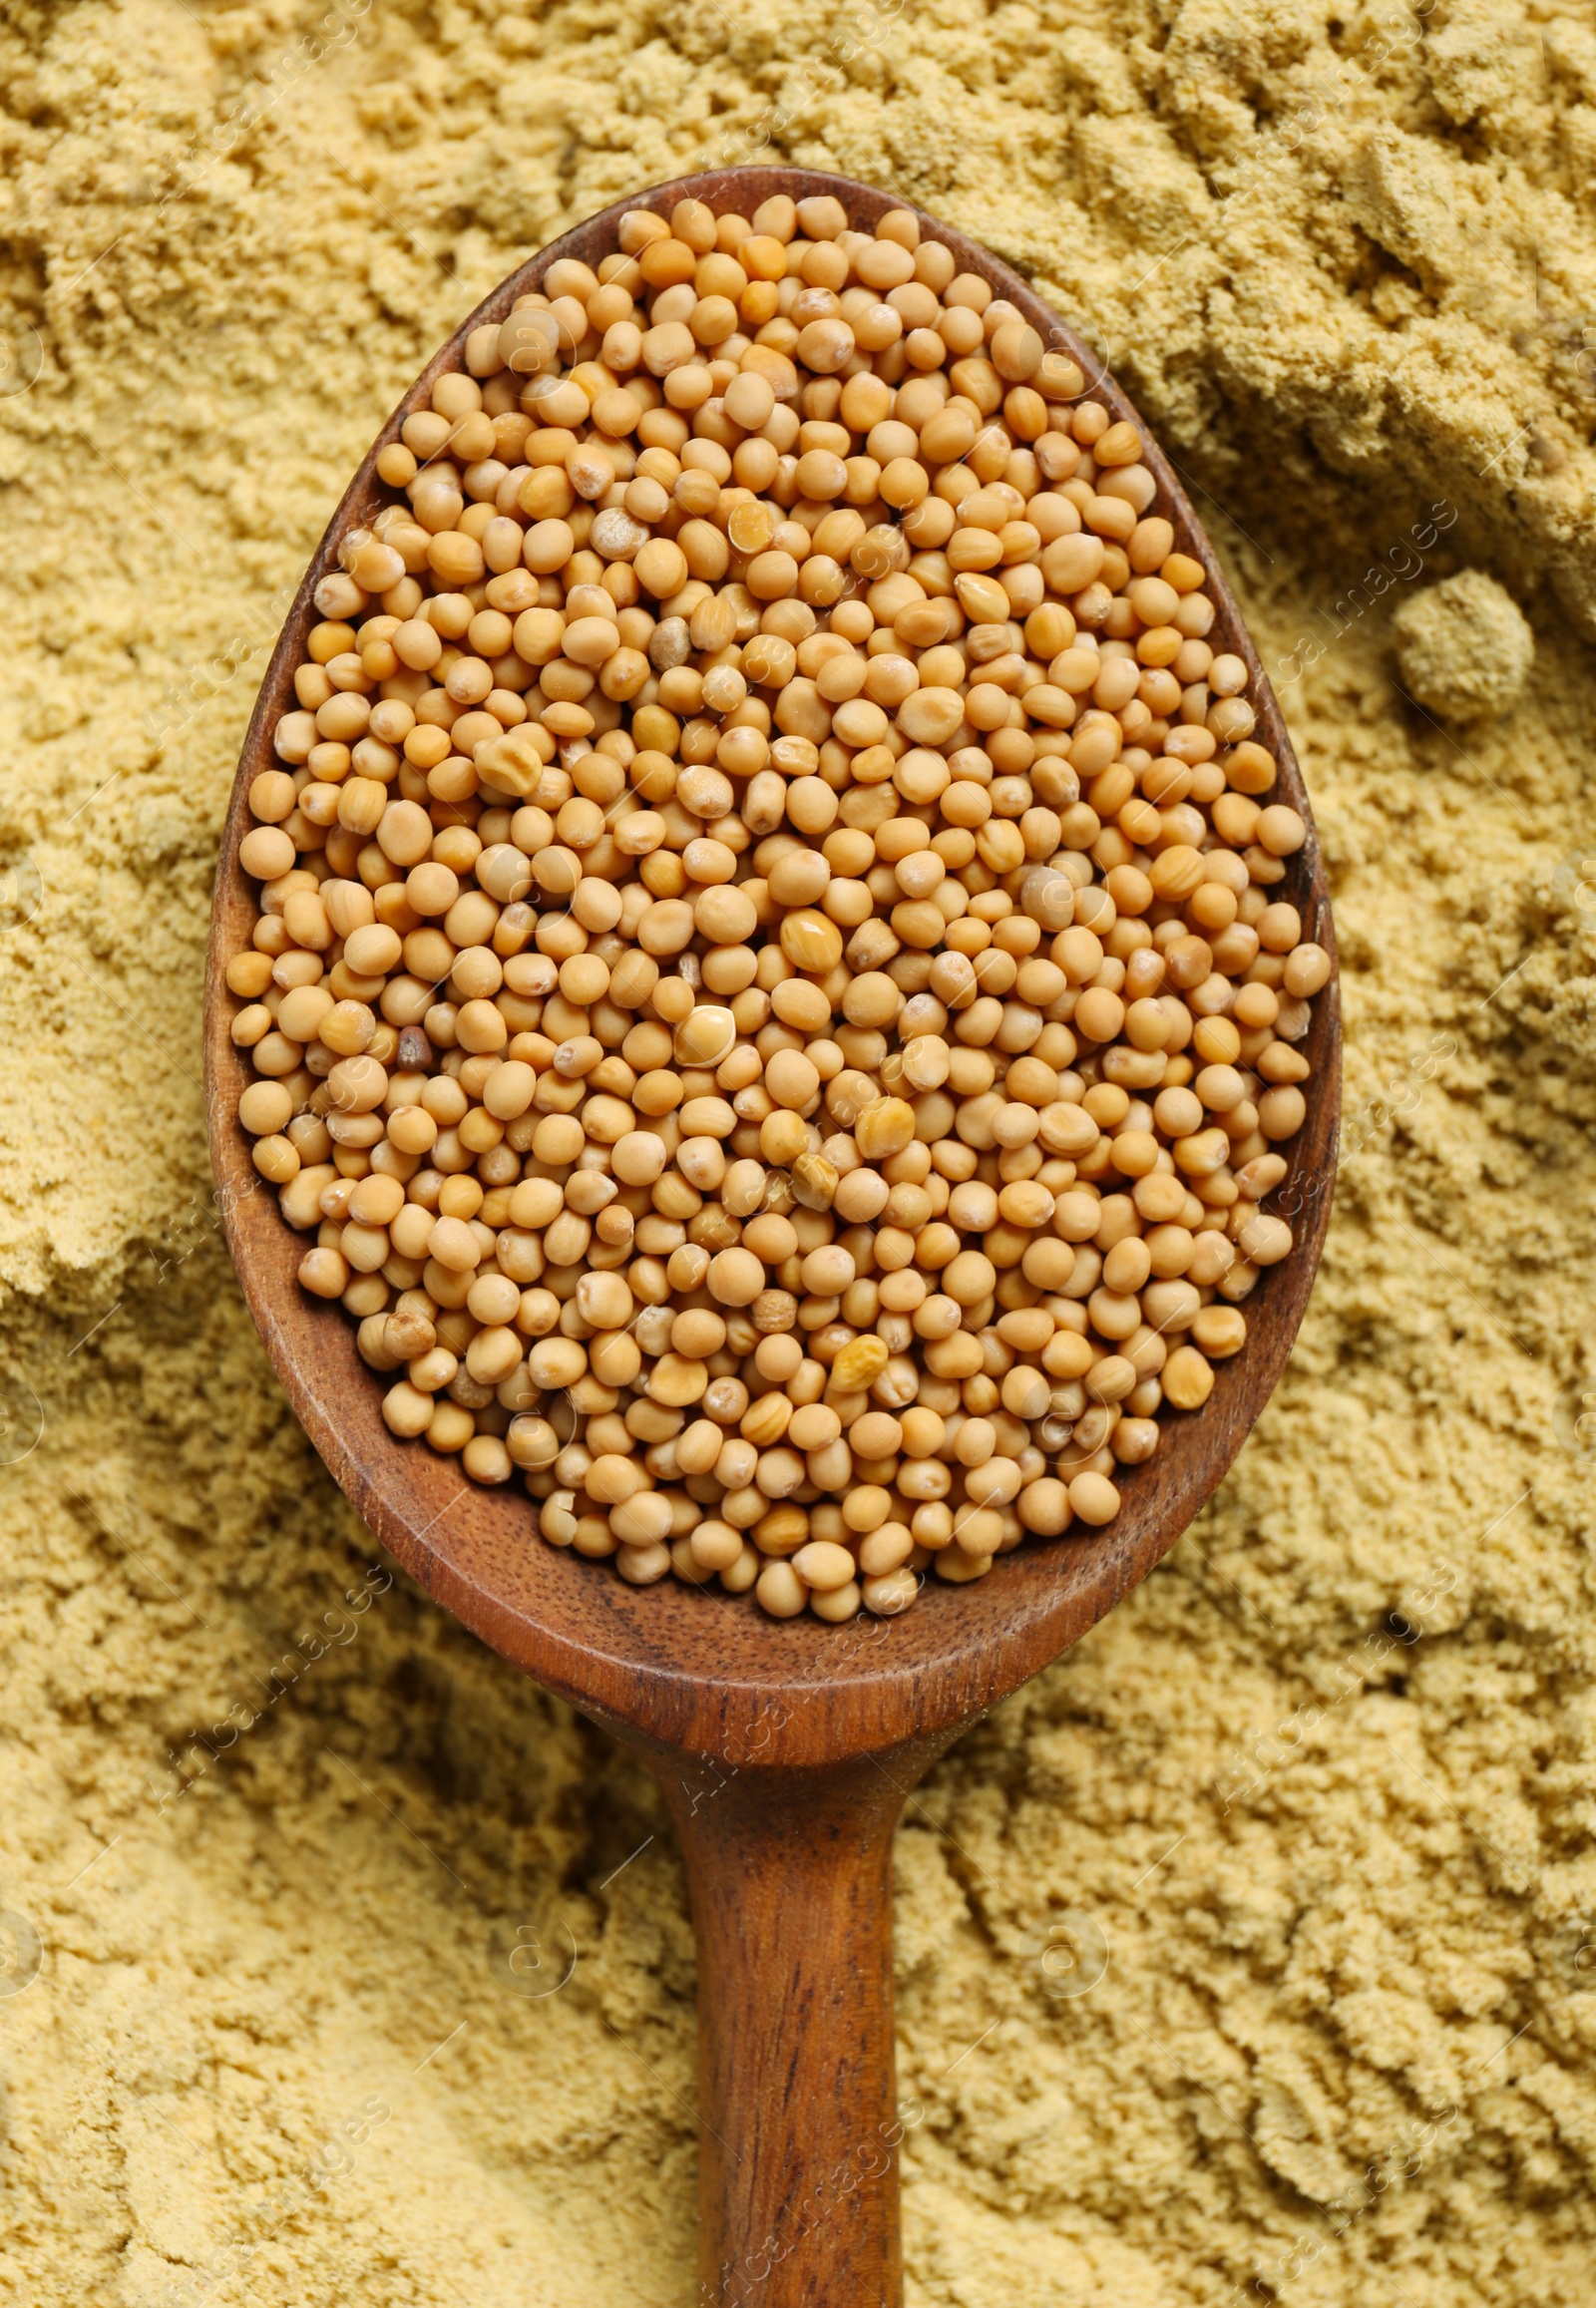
(771, 1004)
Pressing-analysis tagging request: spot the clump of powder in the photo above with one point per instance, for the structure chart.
(1464, 647)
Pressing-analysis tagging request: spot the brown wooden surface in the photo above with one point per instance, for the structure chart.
(790, 1875)
(794, 2073)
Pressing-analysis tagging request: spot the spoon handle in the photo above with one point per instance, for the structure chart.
(790, 1875)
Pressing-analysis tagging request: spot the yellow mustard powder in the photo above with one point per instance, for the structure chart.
(1248, 1955)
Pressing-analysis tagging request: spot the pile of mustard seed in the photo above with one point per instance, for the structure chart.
(768, 997)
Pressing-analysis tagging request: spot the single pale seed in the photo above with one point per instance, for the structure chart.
(814, 1181)
(860, 1364)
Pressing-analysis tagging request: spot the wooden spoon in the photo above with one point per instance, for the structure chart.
(784, 1748)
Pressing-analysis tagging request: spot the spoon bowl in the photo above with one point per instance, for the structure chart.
(786, 1747)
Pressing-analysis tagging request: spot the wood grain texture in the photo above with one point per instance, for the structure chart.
(790, 1875)
(814, 1732)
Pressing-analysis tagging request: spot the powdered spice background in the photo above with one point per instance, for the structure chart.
(1250, 1952)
